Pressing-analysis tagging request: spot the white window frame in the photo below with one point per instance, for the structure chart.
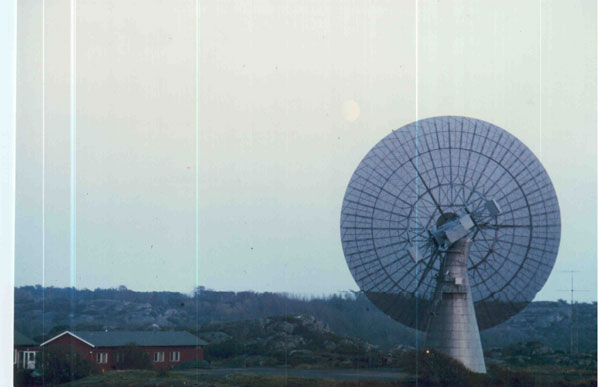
(159, 357)
(174, 356)
(28, 363)
(102, 357)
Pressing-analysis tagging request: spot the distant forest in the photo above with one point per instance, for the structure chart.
(41, 312)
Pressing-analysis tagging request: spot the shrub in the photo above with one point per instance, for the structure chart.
(162, 373)
(133, 357)
(506, 377)
(224, 350)
(23, 378)
(434, 368)
(61, 364)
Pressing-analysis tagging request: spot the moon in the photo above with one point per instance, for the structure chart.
(351, 110)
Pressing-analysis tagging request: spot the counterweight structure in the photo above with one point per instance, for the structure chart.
(450, 225)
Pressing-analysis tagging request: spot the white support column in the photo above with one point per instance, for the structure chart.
(452, 328)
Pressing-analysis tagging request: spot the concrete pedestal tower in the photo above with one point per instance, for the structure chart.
(452, 328)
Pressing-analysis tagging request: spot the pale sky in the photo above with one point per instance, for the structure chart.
(289, 96)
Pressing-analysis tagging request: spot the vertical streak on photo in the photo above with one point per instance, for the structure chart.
(43, 169)
(196, 43)
(73, 153)
(197, 146)
(73, 161)
(416, 173)
(540, 79)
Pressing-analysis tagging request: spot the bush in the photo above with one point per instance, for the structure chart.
(436, 369)
(61, 364)
(133, 357)
(23, 378)
(505, 377)
(224, 350)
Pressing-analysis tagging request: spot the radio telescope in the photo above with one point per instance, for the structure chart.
(450, 225)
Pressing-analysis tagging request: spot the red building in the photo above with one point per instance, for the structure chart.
(26, 351)
(165, 348)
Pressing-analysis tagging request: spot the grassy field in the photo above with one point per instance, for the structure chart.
(558, 375)
(530, 376)
(151, 378)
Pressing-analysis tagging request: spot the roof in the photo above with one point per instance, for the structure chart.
(23, 341)
(140, 338)
(67, 333)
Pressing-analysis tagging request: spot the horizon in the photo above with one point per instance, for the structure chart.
(302, 297)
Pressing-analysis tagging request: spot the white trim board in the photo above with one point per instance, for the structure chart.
(70, 333)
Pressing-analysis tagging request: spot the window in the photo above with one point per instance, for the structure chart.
(159, 357)
(174, 356)
(102, 357)
(28, 360)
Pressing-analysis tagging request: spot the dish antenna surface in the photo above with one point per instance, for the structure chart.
(450, 225)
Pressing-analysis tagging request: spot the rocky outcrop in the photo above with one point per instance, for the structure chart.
(536, 353)
(40, 310)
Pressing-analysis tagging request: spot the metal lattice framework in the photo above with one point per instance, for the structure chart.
(447, 165)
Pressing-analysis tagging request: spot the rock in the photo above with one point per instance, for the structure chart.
(302, 353)
(346, 341)
(252, 342)
(495, 353)
(401, 348)
(312, 323)
(215, 337)
(329, 345)
(541, 350)
(284, 326)
(368, 346)
(283, 342)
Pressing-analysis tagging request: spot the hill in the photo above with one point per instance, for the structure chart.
(40, 312)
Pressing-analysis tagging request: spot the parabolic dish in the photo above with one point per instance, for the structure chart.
(449, 165)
